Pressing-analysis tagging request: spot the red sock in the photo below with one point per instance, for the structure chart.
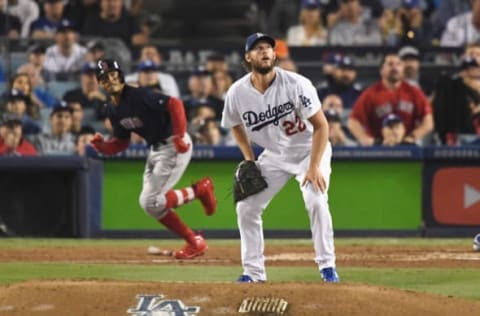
(175, 224)
(179, 197)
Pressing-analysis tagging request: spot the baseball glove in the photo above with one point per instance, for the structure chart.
(248, 180)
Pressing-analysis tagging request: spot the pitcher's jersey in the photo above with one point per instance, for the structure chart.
(277, 119)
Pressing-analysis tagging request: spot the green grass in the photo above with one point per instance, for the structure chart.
(445, 281)
(31, 242)
(449, 282)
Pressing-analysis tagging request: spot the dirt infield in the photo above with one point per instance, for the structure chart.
(96, 297)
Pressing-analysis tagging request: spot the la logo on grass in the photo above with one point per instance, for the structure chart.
(154, 305)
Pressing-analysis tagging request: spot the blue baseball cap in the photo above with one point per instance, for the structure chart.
(147, 65)
(332, 58)
(310, 4)
(345, 62)
(255, 37)
(65, 25)
(61, 106)
(410, 4)
(391, 119)
(201, 71)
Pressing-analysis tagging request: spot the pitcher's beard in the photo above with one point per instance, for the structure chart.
(262, 69)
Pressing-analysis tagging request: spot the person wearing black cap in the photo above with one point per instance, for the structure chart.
(66, 55)
(161, 121)
(200, 86)
(60, 140)
(456, 102)
(89, 94)
(393, 132)
(343, 83)
(17, 104)
(46, 25)
(280, 111)
(12, 142)
(148, 55)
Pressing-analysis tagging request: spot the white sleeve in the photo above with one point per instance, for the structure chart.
(230, 116)
(451, 36)
(307, 103)
(31, 12)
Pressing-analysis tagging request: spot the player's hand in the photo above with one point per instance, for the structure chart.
(180, 145)
(97, 142)
(315, 178)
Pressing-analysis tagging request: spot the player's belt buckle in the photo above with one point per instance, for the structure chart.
(157, 146)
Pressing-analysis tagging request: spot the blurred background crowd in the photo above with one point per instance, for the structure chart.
(51, 102)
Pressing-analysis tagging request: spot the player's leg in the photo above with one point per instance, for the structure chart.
(321, 226)
(250, 225)
(201, 190)
(162, 171)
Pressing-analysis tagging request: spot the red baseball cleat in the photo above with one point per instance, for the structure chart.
(191, 251)
(204, 192)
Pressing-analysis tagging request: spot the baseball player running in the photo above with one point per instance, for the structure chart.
(161, 121)
(280, 111)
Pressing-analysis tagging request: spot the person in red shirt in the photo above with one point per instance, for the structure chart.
(12, 142)
(392, 94)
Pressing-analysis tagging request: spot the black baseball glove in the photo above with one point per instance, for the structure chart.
(248, 180)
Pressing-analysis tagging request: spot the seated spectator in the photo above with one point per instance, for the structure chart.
(37, 76)
(352, 28)
(147, 76)
(95, 51)
(200, 85)
(445, 10)
(330, 62)
(14, 27)
(403, 25)
(411, 60)
(59, 140)
(463, 29)
(89, 94)
(84, 137)
(310, 31)
(22, 83)
(46, 26)
(336, 132)
(343, 83)
(210, 133)
(113, 21)
(221, 82)
(216, 62)
(17, 104)
(167, 81)
(390, 95)
(12, 142)
(282, 54)
(26, 11)
(198, 116)
(66, 55)
(334, 102)
(393, 132)
(455, 102)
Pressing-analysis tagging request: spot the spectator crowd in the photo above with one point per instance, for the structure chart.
(402, 108)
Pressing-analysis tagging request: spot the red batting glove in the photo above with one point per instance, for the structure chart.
(97, 142)
(180, 146)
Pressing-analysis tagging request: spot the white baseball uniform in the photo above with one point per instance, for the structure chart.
(277, 120)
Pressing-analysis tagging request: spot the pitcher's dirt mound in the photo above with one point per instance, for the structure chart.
(115, 298)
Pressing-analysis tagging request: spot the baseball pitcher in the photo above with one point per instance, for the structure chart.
(161, 121)
(280, 111)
